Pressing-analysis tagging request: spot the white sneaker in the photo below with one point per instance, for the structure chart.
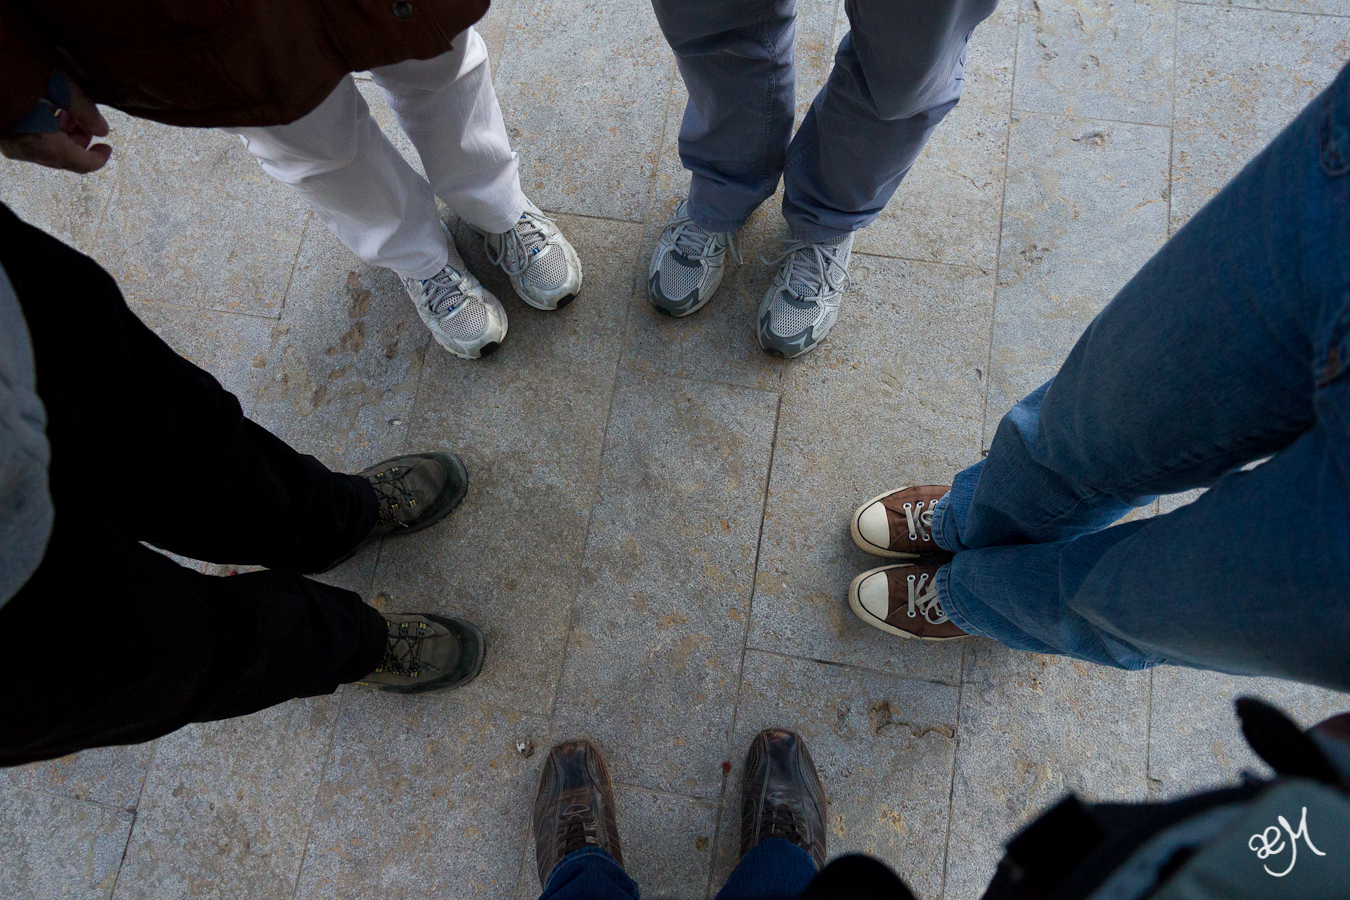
(802, 303)
(463, 315)
(687, 264)
(542, 265)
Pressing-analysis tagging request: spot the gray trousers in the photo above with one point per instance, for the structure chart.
(896, 73)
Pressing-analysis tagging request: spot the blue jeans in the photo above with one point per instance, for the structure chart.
(1230, 345)
(896, 73)
(774, 869)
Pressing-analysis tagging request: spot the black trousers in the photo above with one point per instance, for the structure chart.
(110, 642)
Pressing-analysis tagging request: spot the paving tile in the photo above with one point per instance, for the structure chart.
(947, 208)
(883, 747)
(112, 776)
(892, 398)
(1098, 60)
(1242, 75)
(1322, 7)
(1195, 741)
(1086, 207)
(67, 206)
(529, 422)
(658, 629)
(228, 346)
(1034, 728)
(54, 847)
(422, 798)
(666, 841)
(339, 374)
(195, 221)
(227, 806)
(585, 115)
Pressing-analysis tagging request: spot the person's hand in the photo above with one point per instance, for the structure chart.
(68, 148)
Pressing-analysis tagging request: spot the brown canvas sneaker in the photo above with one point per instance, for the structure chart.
(574, 807)
(425, 653)
(781, 795)
(902, 600)
(414, 491)
(898, 524)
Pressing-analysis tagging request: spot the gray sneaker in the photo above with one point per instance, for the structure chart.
(687, 264)
(463, 315)
(425, 653)
(802, 303)
(543, 266)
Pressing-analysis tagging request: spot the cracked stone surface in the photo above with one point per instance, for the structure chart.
(655, 537)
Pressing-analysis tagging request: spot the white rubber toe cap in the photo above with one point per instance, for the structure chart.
(874, 595)
(874, 526)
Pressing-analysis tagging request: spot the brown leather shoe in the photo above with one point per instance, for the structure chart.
(902, 600)
(781, 795)
(574, 807)
(898, 524)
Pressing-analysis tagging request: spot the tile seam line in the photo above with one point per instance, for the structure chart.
(135, 818)
(668, 376)
(295, 262)
(161, 304)
(662, 793)
(951, 782)
(856, 668)
(745, 641)
(1075, 117)
(1200, 4)
(926, 262)
(111, 807)
(585, 545)
(595, 499)
(998, 262)
(318, 789)
(1172, 127)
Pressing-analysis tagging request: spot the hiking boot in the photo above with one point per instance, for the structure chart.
(541, 263)
(781, 796)
(426, 653)
(898, 524)
(574, 808)
(687, 264)
(462, 315)
(414, 492)
(802, 303)
(902, 600)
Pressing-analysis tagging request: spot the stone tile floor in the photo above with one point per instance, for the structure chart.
(655, 538)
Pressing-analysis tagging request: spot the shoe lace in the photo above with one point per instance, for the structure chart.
(392, 492)
(924, 601)
(515, 249)
(778, 820)
(812, 266)
(577, 829)
(401, 656)
(920, 520)
(691, 240)
(444, 291)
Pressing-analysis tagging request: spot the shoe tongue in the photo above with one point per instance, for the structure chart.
(531, 236)
(807, 279)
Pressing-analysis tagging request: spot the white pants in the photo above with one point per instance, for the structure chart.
(339, 161)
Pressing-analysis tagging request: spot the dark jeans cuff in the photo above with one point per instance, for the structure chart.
(589, 874)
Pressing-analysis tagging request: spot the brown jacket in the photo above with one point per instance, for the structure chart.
(229, 63)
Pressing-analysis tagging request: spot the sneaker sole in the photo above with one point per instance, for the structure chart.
(856, 605)
(865, 545)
